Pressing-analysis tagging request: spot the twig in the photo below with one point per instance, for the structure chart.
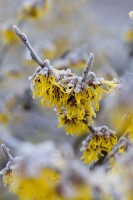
(6, 152)
(122, 143)
(26, 42)
(88, 67)
(92, 129)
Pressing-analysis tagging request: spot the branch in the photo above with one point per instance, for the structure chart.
(122, 143)
(26, 42)
(88, 67)
(6, 152)
(92, 129)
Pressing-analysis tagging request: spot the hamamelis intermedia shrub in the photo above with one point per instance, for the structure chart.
(42, 172)
(76, 100)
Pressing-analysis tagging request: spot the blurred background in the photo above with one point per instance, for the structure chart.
(65, 32)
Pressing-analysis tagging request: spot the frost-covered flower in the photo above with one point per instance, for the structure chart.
(7, 33)
(103, 139)
(75, 98)
(34, 174)
(35, 9)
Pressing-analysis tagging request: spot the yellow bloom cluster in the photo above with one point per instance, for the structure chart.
(7, 34)
(3, 118)
(76, 100)
(35, 9)
(97, 143)
(40, 187)
(62, 182)
(129, 34)
(30, 177)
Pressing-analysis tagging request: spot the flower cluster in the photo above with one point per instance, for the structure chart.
(29, 183)
(27, 187)
(129, 34)
(62, 177)
(30, 177)
(7, 34)
(75, 98)
(102, 140)
(34, 9)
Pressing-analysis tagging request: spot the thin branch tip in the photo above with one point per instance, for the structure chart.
(3, 147)
(90, 61)
(16, 30)
(88, 67)
(26, 42)
(15, 27)
(92, 55)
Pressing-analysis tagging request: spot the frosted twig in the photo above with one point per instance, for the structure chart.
(26, 42)
(92, 129)
(122, 143)
(88, 67)
(6, 152)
